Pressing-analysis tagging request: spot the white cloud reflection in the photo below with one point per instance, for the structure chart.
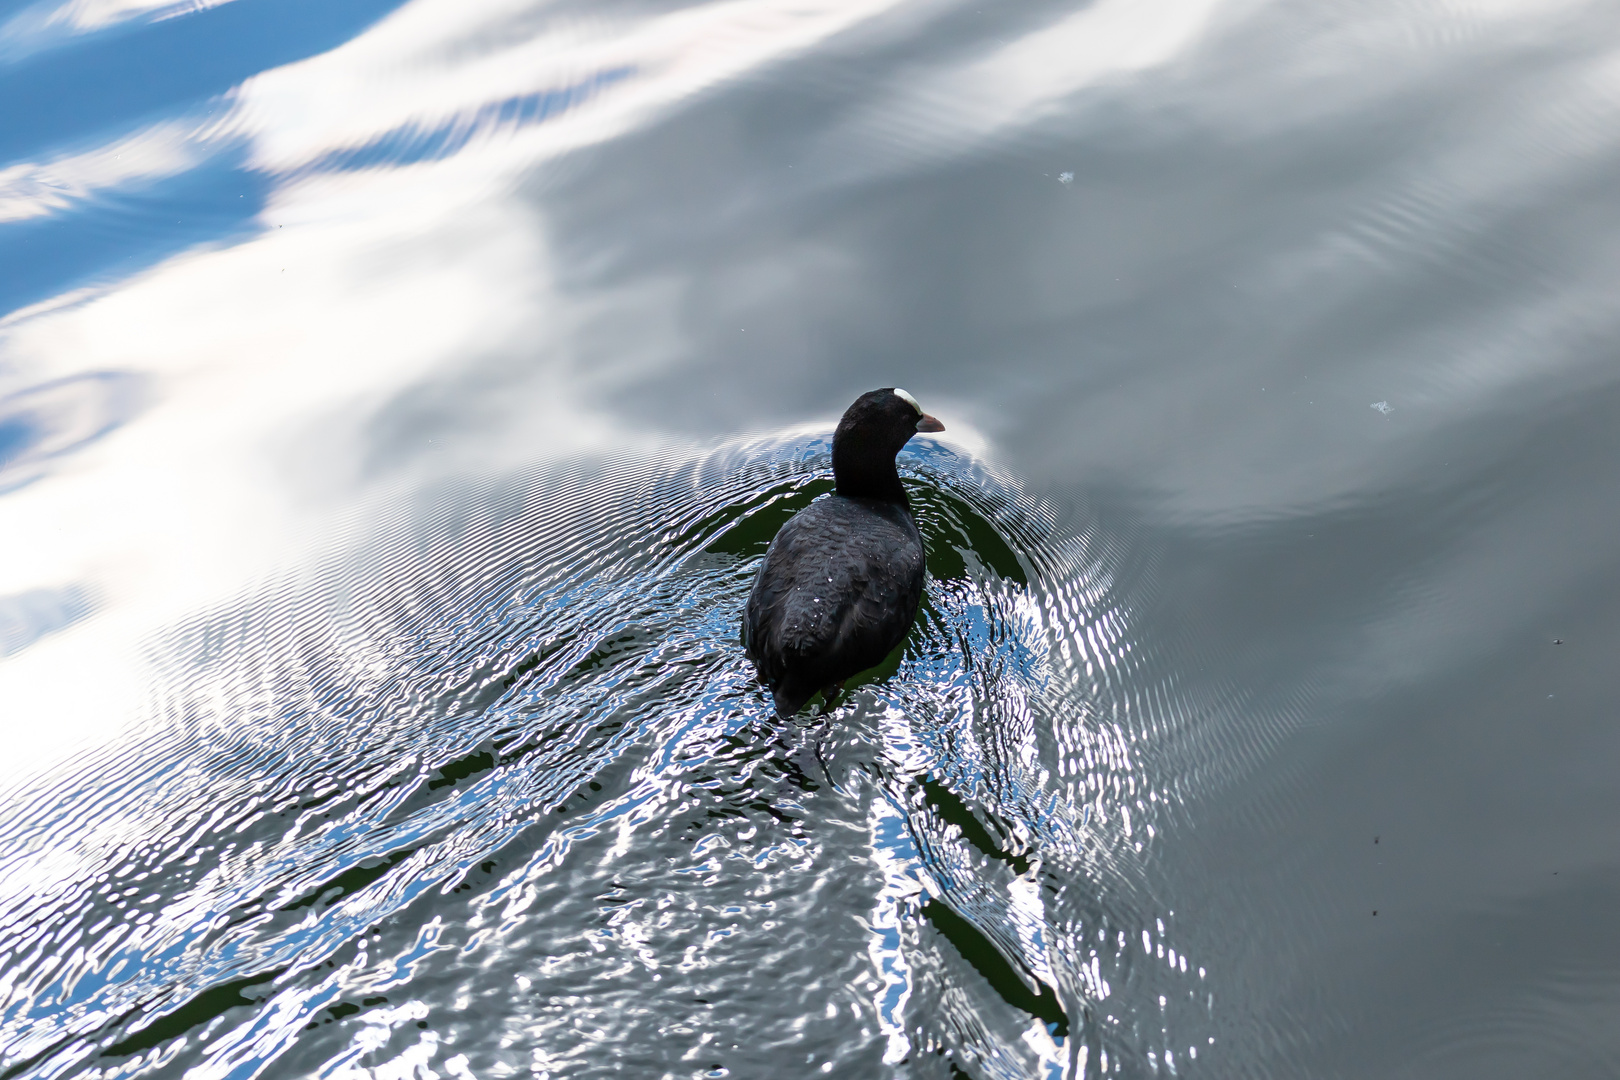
(420, 71)
(46, 25)
(396, 250)
(1023, 82)
(39, 189)
(268, 357)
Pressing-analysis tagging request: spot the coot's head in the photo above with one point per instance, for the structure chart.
(869, 436)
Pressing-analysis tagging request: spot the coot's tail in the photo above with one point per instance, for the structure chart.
(790, 699)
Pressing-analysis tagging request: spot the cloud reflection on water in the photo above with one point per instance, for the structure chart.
(58, 185)
(404, 244)
(50, 24)
(437, 285)
(276, 354)
(27, 617)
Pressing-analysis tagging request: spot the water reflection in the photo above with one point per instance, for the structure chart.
(369, 568)
(533, 696)
(48, 24)
(27, 617)
(44, 423)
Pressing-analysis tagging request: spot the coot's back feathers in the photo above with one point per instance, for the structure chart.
(841, 582)
(846, 578)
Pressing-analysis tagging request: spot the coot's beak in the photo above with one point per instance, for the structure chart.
(928, 423)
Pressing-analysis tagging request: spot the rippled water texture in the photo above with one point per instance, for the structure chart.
(397, 398)
(507, 784)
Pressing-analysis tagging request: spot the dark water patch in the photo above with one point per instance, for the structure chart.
(960, 533)
(989, 962)
(451, 772)
(351, 880)
(956, 812)
(748, 531)
(214, 1002)
(335, 1013)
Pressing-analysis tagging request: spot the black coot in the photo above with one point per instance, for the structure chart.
(841, 582)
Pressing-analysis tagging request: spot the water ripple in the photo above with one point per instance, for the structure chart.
(361, 786)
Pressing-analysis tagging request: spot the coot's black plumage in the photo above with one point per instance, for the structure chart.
(840, 584)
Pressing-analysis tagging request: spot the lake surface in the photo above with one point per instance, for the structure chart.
(396, 400)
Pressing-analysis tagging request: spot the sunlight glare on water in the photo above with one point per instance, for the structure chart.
(397, 399)
(351, 748)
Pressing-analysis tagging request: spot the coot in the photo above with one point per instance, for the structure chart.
(840, 584)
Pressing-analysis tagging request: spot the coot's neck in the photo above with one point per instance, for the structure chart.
(862, 471)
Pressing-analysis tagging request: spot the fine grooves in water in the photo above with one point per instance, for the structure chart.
(388, 765)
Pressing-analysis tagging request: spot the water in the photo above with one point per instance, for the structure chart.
(395, 401)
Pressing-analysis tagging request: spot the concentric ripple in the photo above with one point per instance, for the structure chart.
(500, 794)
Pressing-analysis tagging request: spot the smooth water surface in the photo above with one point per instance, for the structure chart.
(396, 399)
